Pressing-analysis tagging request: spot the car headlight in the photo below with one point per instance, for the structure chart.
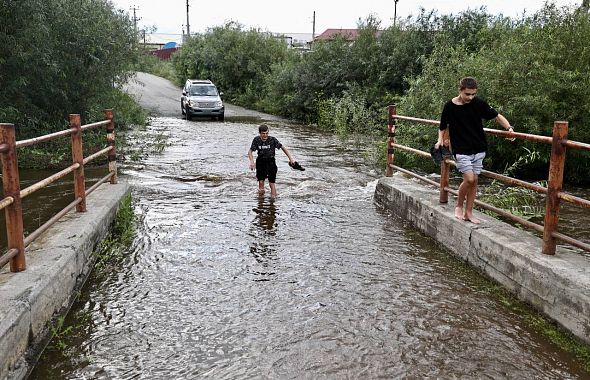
(219, 104)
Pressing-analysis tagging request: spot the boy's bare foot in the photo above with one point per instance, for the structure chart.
(260, 191)
(472, 219)
(273, 196)
(459, 213)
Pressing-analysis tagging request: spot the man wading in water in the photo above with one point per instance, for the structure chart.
(463, 116)
(266, 166)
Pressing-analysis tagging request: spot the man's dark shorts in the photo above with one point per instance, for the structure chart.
(266, 168)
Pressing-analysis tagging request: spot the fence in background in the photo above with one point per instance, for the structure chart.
(13, 195)
(553, 192)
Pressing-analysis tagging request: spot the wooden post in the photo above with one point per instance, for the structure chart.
(112, 155)
(78, 157)
(11, 184)
(392, 110)
(554, 186)
(445, 169)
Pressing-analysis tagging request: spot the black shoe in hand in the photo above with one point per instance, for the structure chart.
(295, 165)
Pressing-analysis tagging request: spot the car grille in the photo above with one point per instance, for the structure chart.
(205, 104)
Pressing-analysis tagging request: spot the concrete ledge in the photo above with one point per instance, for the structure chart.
(58, 263)
(558, 286)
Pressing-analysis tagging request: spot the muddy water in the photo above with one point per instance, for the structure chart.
(220, 283)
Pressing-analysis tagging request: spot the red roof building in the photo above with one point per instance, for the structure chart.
(347, 34)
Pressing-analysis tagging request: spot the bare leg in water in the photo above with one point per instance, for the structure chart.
(273, 190)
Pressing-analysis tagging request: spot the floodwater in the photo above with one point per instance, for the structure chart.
(221, 283)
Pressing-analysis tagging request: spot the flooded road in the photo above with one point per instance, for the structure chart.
(220, 283)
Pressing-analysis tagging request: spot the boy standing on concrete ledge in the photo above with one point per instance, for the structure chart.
(463, 116)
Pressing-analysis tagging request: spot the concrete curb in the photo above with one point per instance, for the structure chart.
(558, 286)
(58, 263)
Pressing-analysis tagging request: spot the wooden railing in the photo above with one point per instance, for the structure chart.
(553, 192)
(13, 195)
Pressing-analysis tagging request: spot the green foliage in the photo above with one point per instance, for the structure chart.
(59, 333)
(236, 60)
(112, 249)
(523, 73)
(153, 65)
(60, 57)
(348, 114)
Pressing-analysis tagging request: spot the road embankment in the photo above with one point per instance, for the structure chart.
(558, 286)
(58, 263)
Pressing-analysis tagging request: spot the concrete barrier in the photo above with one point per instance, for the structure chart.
(58, 263)
(558, 286)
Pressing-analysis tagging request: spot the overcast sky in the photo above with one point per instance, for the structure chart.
(169, 16)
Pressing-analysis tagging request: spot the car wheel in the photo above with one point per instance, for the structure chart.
(221, 117)
(182, 108)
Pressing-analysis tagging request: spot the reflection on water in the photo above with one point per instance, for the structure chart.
(266, 213)
(262, 247)
(220, 283)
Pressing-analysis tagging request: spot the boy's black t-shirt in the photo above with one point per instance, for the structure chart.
(465, 125)
(265, 149)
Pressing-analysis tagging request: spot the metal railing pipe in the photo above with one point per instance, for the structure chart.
(6, 257)
(417, 120)
(112, 156)
(94, 156)
(95, 125)
(14, 211)
(554, 185)
(35, 234)
(391, 110)
(6, 202)
(41, 184)
(100, 182)
(78, 158)
(49, 137)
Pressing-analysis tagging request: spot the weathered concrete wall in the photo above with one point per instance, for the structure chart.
(558, 286)
(58, 263)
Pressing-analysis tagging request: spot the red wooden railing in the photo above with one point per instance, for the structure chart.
(553, 193)
(13, 195)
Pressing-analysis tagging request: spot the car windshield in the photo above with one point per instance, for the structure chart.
(203, 91)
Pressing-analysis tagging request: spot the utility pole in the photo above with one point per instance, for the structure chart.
(135, 18)
(313, 27)
(188, 28)
(395, 12)
(312, 30)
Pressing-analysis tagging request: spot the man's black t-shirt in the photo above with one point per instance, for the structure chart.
(465, 125)
(265, 149)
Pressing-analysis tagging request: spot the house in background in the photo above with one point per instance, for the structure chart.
(161, 45)
(347, 34)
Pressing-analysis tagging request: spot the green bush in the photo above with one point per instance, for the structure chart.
(60, 57)
(528, 80)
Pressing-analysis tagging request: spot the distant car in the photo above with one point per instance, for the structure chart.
(201, 98)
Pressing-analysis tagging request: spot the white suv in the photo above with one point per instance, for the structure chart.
(201, 98)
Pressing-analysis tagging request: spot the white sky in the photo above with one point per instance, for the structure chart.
(297, 16)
